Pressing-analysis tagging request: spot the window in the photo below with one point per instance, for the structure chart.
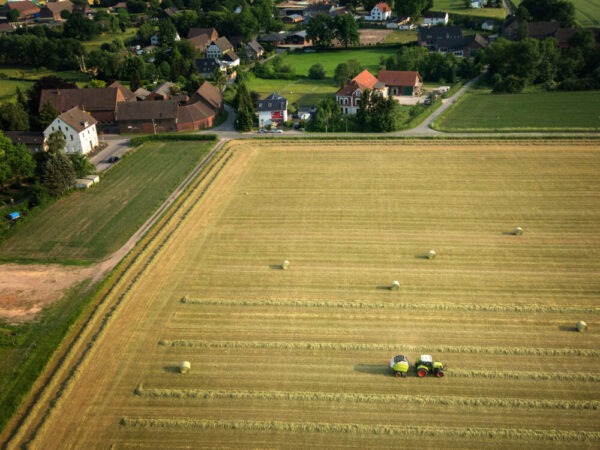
(71, 137)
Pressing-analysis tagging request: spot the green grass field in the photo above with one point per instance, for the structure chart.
(299, 358)
(24, 77)
(369, 58)
(89, 225)
(479, 110)
(301, 92)
(401, 37)
(97, 42)
(458, 7)
(587, 12)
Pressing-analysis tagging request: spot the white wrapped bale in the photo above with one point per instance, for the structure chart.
(395, 286)
(431, 254)
(285, 265)
(581, 326)
(185, 367)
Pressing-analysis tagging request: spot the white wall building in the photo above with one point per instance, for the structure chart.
(272, 110)
(380, 12)
(78, 129)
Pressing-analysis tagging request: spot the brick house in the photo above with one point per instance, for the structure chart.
(401, 82)
(101, 103)
(348, 97)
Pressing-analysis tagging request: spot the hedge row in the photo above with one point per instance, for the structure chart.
(139, 140)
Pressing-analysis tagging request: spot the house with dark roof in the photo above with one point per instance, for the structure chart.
(272, 110)
(78, 129)
(349, 96)
(141, 94)
(101, 103)
(297, 39)
(207, 67)
(254, 49)
(125, 92)
(33, 140)
(209, 95)
(401, 82)
(147, 116)
(431, 37)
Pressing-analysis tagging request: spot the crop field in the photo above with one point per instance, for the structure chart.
(298, 358)
(89, 225)
(479, 110)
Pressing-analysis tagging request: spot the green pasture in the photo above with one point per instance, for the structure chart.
(104, 38)
(587, 12)
(480, 110)
(300, 92)
(458, 7)
(369, 58)
(8, 89)
(401, 37)
(88, 225)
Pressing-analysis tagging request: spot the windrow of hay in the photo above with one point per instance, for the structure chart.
(459, 307)
(352, 397)
(355, 428)
(349, 346)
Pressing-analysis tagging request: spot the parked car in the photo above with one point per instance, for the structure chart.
(277, 130)
(113, 159)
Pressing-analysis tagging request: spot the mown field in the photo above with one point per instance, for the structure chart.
(298, 92)
(479, 110)
(298, 358)
(458, 7)
(89, 225)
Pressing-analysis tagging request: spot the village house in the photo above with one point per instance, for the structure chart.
(209, 95)
(27, 10)
(272, 110)
(218, 48)
(380, 13)
(297, 39)
(431, 37)
(254, 49)
(348, 97)
(54, 10)
(200, 38)
(207, 67)
(147, 116)
(401, 82)
(78, 129)
(33, 140)
(435, 18)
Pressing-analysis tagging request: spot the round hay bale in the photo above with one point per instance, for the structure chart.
(185, 367)
(395, 286)
(431, 254)
(285, 265)
(518, 231)
(581, 326)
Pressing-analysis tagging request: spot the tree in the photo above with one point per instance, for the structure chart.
(244, 120)
(376, 112)
(321, 30)
(412, 8)
(20, 161)
(13, 117)
(81, 165)
(316, 72)
(5, 172)
(58, 172)
(167, 33)
(346, 30)
(346, 71)
(80, 27)
(13, 15)
(47, 115)
(562, 11)
(328, 117)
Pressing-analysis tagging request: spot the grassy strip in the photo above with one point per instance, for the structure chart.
(460, 307)
(349, 138)
(349, 346)
(37, 343)
(139, 140)
(355, 428)
(357, 397)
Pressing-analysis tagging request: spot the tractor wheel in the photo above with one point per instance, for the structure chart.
(421, 372)
(397, 374)
(439, 373)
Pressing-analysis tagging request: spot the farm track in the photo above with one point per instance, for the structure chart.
(298, 358)
(64, 366)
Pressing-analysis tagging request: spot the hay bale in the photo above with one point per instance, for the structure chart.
(395, 286)
(431, 254)
(581, 326)
(185, 367)
(518, 231)
(285, 265)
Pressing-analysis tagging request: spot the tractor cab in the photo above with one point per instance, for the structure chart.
(426, 365)
(399, 364)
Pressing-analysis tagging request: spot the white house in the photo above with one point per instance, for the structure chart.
(155, 39)
(78, 129)
(380, 12)
(433, 18)
(272, 110)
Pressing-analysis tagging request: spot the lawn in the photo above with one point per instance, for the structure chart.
(299, 358)
(458, 7)
(88, 225)
(24, 77)
(479, 110)
(369, 58)
(401, 37)
(301, 92)
(97, 42)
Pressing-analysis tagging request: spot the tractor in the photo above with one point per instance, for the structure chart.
(426, 365)
(399, 365)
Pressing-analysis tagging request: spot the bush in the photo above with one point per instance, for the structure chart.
(316, 72)
(139, 140)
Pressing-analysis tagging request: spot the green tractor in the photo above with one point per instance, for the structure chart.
(399, 364)
(425, 365)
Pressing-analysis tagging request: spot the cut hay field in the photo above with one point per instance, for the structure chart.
(298, 358)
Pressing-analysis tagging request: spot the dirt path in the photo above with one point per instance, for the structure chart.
(27, 289)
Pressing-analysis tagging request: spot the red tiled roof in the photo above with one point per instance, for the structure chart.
(166, 109)
(193, 113)
(125, 92)
(25, 7)
(362, 81)
(210, 95)
(383, 7)
(90, 99)
(399, 77)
